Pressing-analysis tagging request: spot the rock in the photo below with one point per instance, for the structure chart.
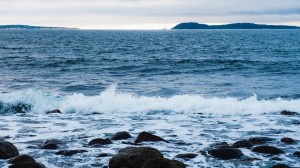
(287, 140)
(186, 156)
(146, 136)
(250, 159)
(226, 153)
(267, 150)
(133, 157)
(121, 135)
(280, 166)
(163, 163)
(104, 155)
(260, 140)
(49, 146)
(219, 145)
(100, 141)
(70, 152)
(21, 159)
(28, 165)
(56, 111)
(288, 113)
(297, 153)
(242, 144)
(7, 150)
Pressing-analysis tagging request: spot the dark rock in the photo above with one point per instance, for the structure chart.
(297, 153)
(280, 166)
(130, 143)
(104, 155)
(49, 146)
(53, 141)
(70, 152)
(21, 159)
(186, 156)
(163, 163)
(56, 111)
(7, 150)
(287, 140)
(250, 159)
(219, 145)
(146, 136)
(288, 113)
(133, 157)
(242, 144)
(260, 140)
(121, 135)
(226, 153)
(202, 152)
(100, 141)
(276, 158)
(267, 150)
(28, 165)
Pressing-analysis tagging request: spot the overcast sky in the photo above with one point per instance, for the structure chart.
(146, 14)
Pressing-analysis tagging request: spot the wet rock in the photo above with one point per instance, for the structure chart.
(163, 163)
(288, 113)
(121, 135)
(219, 145)
(49, 146)
(297, 153)
(242, 144)
(21, 159)
(260, 140)
(226, 153)
(276, 158)
(7, 150)
(20, 108)
(70, 152)
(28, 165)
(104, 155)
(267, 150)
(56, 111)
(52, 144)
(186, 156)
(280, 166)
(100, 141)
(250, 159)
(146, 136)
(287, 140)
(133, 157)
(130, 143)
(202, 152)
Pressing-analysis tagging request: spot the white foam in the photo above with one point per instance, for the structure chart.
(113, 101)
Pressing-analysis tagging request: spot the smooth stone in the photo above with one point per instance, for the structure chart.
(100, 141)
(267, 150)
(21, 159)
(70, 152)
(54, 141)
(287, 140)
(186, 156)
(7, 150)
(133, 157)
(56, 111)
(226, 153)
(280, 166)
(297, 153)
(121, 135)
(288, 113)
(49, 146)
(104, 155)
(28, 165)
(260, 140)
(163, 163)
(242, 144)
(146, 136)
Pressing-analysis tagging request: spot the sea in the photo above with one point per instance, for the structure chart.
(194, 88)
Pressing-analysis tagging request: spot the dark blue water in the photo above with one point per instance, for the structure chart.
(235, 63)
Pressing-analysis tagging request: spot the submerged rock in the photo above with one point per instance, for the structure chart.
(121, 135)
(226, 153)
(287, 140)
(56, 111)
(297, 153)
(242, 144)
(52, 144)
(100, 141)
(163, 163)
(7, 150)
(219, 145)
(260, 140)
(250, 159)
(70, 152)
(146, 136)
(133, 157)
(186, 156)
(49, 146)
(288, 113)
(280, 166)
(267, 150)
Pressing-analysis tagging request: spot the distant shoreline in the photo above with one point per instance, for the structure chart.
(29, 27)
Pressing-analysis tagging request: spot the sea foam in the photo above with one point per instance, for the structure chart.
(113, 101)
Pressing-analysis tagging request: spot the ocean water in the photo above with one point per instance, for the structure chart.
(199, 87)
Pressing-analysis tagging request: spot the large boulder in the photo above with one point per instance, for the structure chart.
(21, 159)
(24, 161)
(226, 153)
(121, 135)
(7, 150)
(163, 163)
(267, 150)
(133, 157)
(146, 136)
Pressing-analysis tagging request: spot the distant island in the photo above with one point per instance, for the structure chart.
(194, 25)
(31, 27)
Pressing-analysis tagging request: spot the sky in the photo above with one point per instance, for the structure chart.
(146, 14)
